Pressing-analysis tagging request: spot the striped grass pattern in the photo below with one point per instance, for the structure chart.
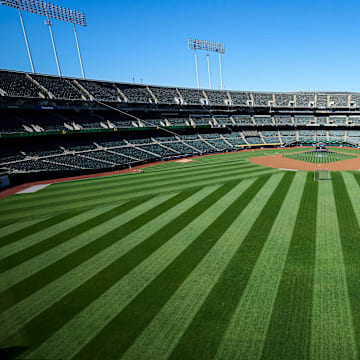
(320, 157)
(214, 259)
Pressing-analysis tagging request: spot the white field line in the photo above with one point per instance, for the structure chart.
(30, 307)
(46, 233)
(332, 333)
(246, 333)
(159, 339)
(19, 225)
(33, 189)
(94, 318)
(22, 271)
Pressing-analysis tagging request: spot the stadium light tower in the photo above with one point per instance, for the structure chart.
(49, 11)
(195, 44)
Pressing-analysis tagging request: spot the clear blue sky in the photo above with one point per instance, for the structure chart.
(270, 46)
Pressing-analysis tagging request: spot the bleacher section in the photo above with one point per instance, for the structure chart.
(60, 88)
(18, 85)
(101, 90)
(165, 95)
(263, 120)
(217, 97)
(303, 119)
(263, 99)
(135, 93)
(49, 123)
(305, 99)
(284, 100)
(243, 120)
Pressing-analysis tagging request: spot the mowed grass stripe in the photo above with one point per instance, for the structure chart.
(90, 185)
(202, 338)
(35, 244)
(288, 335)
(158, 340)
(155, 188)
(121, 187)
(139, 313)
(246, 333)
(125, 184)
(85, 325)
(34, 228)
(17, 226)
(332, 335)
(133, 179)
(350, 235)
(104, 268)
(32, 275)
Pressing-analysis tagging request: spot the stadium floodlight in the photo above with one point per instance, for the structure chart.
(50, 11)
(196, 44)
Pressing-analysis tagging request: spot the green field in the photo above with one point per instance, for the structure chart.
(313, 157)
(214, 259)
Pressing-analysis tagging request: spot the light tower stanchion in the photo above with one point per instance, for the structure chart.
(197, 71)
(26, 41)
(221, 78)
(208, 61)
(49, 11)
(79, 53)
(196, 44)
(49, 23)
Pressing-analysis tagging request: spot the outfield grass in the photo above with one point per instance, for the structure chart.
(218, 258)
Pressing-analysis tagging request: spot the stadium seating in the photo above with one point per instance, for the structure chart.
(303, 119)
(201, 120)
(283, 120)
(338, 120)
(304, 99)
(223, 120)
(322, 101)
(217, 97)
(18, 85)
(355, 100)
(338, 100)
(243, 120)
(135, 93)
(263, 99)
(60, 88)
(240, 98)
(284, 99)
(101, 90)
(165, 95)
(354, 120)
(87, 135)
(191, 96)
(254, 140)
(178, 121)
(263, 120)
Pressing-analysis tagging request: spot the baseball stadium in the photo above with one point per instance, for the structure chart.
(140, 221)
